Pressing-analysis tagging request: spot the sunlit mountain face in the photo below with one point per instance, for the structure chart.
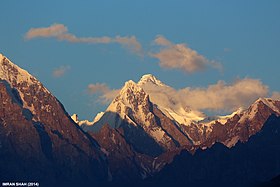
(144, 137)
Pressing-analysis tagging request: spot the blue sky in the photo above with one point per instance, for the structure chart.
(242, 36)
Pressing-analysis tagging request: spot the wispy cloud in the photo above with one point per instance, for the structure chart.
(227, 50)
(180, 56)
(275, 95)
(106, 95)
(60, 32)
(98, 88)
(54, 30)
(60, 71)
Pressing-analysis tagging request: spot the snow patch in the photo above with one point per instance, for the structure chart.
(113, 138)
(75, 118)
(82, 122)
(157, 133)
(224, 119)
(210, 121)
(97, 117)
(85, 122)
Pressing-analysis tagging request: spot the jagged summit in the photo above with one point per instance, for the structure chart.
(149, 78)
(141, 121)
(14, 74)
(150, 89)
(271, 103)
(132, 96)
(130, 86)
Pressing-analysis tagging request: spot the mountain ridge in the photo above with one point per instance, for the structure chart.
(34, 124)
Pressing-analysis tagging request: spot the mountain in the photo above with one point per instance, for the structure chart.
(248, 164)
(149, 122)
(174, 108)
(153, 114)
(146, 137)
(243, 125)
(142, 122)
(38, 139)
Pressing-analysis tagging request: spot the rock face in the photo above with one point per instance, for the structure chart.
(125, 164)
(243, 125)
(38, 139)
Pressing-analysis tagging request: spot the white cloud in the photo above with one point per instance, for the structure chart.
(222, 96)
(98, 88)
(130, 43)
(60, 32)
(106, 94)
(60, 71)
(109, 96)
(54, 30)
(180, 56)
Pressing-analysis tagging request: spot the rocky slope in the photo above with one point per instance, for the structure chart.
(125, 163)
(128, 166)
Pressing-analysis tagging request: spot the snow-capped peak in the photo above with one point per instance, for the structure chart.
(131, 98)
(251, 112)
(131, 95)
(163, 96)
(21, 80)
(272, 104)
(75, 118)
(149, 78)
(14, 74)
(224, 119)
(130, 86)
